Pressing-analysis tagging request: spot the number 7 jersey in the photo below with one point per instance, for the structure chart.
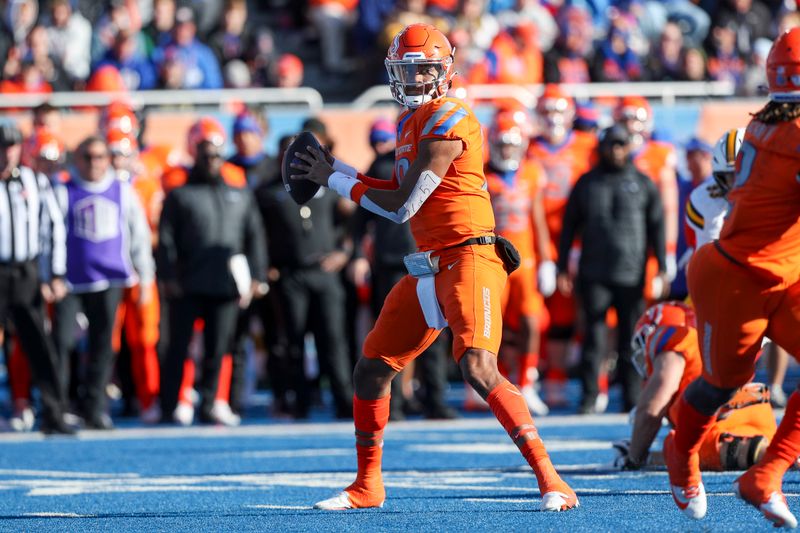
(762, 230)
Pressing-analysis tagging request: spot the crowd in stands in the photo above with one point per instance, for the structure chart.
(61, 45)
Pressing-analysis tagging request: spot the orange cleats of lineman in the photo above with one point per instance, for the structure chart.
(558, 496)
(762, 490)
(353, 498)
(684, 480)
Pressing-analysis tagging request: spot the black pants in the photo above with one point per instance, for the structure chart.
(21, 304)
(595, 300)
(431, 364)
(314, 301)
(219, 315)
(100, 309)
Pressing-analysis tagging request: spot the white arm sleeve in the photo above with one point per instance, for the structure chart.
(344, 168)
(426, 184)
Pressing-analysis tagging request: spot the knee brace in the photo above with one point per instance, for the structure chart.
(705, 397)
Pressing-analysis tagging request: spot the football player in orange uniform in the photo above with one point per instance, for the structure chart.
(747, 285)
(657, 160)
(515, 190)
(139, 312)
(456, 279)
(565, 155)
(666, 354)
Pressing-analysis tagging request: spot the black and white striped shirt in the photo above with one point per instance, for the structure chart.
(31, 223)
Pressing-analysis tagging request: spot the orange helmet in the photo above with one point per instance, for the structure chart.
(637, 115)
(207, 129)
(119, 115)
(42, 144)
(555, 110)
(509, 136)
(121, 143)
(783, 67)
(419, 50)
(665, 314)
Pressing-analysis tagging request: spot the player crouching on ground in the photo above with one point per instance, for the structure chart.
(666, 354)
(456, 279)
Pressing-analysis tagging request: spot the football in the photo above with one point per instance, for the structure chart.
(301, 191)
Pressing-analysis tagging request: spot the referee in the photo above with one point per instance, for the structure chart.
(32, 263)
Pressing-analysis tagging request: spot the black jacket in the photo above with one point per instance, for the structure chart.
(298, 236)
(618, 215)
(204, 224)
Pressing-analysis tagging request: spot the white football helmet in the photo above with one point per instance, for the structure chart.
(723, 164)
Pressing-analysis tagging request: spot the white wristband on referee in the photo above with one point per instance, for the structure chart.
(344, 168)
(341, 183)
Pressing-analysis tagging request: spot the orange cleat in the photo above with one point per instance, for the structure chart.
(558, 496)
(353, 498)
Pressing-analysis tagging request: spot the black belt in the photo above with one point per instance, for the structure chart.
(482, 240)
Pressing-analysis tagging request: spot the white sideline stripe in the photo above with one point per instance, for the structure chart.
(497, 500)
(501, 447)
(61, 473)
(289, 507)
(58, 515)
(324, 452)
(291, 429)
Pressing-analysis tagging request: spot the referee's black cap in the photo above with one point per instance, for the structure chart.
(9, 134)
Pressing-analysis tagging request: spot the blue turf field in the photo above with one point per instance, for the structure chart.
(463, 475)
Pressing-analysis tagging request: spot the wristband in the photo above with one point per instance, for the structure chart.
(344, 168)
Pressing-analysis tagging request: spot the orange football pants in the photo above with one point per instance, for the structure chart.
(735, 310)
(469, 288)
(745, 422)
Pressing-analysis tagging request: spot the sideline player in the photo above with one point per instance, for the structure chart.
(666, 354)
(747, 285)
(514, 183)
(458, 277)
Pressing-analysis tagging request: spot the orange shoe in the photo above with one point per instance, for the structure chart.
(762, 490)
(353, 498)
(558, 496)
(685, 480)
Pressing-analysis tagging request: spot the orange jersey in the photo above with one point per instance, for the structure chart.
(513, 202)
(176, 177)
(762, 230)
(683, 341)
(459, 208)
(563, 165)
(653, 157)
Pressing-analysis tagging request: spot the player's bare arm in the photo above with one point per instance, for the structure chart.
(654, 403)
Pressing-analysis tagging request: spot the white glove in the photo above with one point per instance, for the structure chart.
(546, 278)
(672, 266)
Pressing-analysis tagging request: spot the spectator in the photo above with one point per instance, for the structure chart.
(306, 251)
(754, 81)
(49, 66)
(531, 12)
(237, 75)
(260, 56)
(44, 153)
(587, 117)
(473, 19)
(118, 18)
(288, 72)
(70, 39)
(158, 32)
(568, 61)
(513, 58)
(108, 248)
(31, 273)
(137, 72)
(48, 117)
(19, 16)
(231, 37)
(693, 66)
(616, 60)
(197, 61)
(616, 212)
(333, 20)
(725, 61)
(748, 19)
(248, 136)
(30, 80)
(210, 241)
(665, 62)
(106, 79)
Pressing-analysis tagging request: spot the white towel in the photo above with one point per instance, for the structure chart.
(426, 293)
